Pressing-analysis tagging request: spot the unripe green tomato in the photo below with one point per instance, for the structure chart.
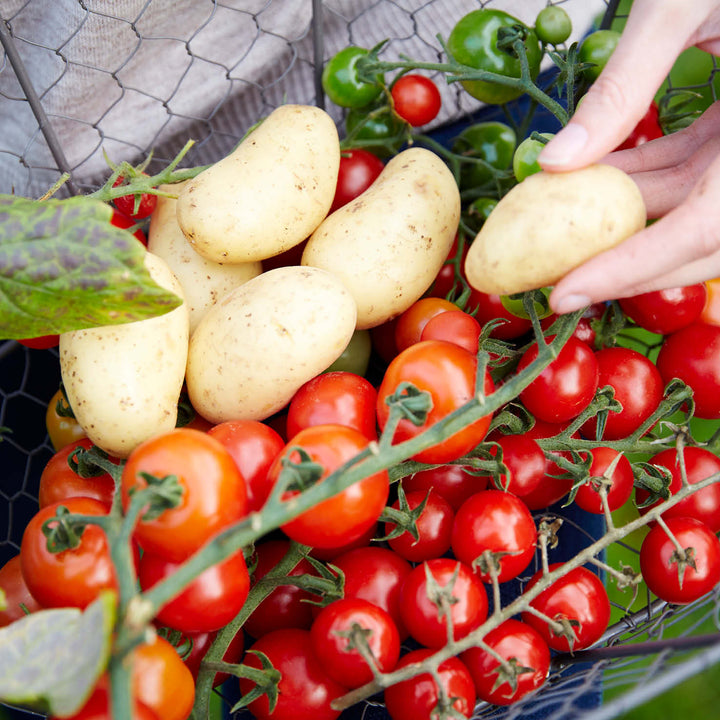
(492, 141)
(383, 127)
(355, 358)
(553, 25)
(525, 159)
(341, 83)
(597, 48)
(479, 211)
(514, 304)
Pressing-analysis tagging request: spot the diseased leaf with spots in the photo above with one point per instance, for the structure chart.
(51, 660)
(64, 267)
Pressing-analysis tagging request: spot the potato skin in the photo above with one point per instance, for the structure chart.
(388, 244)
(203, 281)
(549, 224)
(123, 382)
(269, 194)
(261, 342)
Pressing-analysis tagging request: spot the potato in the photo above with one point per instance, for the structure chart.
(124, 381)
(254, 349)
(203, 282)
(389, 243)
(549, 224)
(269, 194)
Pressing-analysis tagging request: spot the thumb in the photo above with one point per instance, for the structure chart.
(655, 34)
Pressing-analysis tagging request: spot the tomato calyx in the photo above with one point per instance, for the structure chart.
(511, 39)
(508, 671)
(63, 531)
(410, 403)
(301, 474)
(404, 517)
(91, 462)
(160, 494)
(266, 679)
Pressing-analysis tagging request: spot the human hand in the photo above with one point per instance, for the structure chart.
(679, 175)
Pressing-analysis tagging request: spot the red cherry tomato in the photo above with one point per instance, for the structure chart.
(411, 323)
(499, 522)
(336, 650)
(339, 397)
(305, 688)
(659, 562)
(358, 171)
(692, 354)
(214, 492)
(42, 342)
(524, 460)
(648, 128)
(468, 601)
(579, 597)
(209, 602)
(416, 99)
(565, 387)
(127, 205)
(125, 223)
(347, 515)
(17, 594)
(621, 482)
(456, 327)
(487, 307)
(201, 643)
(417, 698)
(516, 641)
(453, 482)
(97, 706)
(254, 445)
(447, 372)
(665, 311)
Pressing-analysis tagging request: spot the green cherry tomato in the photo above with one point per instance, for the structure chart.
(525, 159)
(474, 42)
(479, 211)
(597, 48)
(341, 83)
(376, 129)
(356, 356)
(492, 141)
(553, 25)
(514, 303)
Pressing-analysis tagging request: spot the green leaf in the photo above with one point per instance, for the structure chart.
(64, 267)
(51, 660)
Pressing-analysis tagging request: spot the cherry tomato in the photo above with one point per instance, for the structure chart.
(596, 49)
(447, 372)
(340, 398)
(124, 222)
(638, 388)
(73, 577)
(467, 603)
(42, 342)
(337, 651)
(479, 211)
(454, 482)
(621, 482)
(58, 481)
(209, 602)
(665, 311)
(376, 127)
(473, 41)
(358, 171)
(417, 698)
(286, 606)
(341, 83)
(345, 516)
(127, 204)
(17, 594)
(305, 688)
(434, 527)
(416, 99)
(491, 141)
(330, 553)
(383, 340)
(525, 159)
(692, 354)
(456, 327)
(499, 522)
(524, 460)
(513, 640)
(214, 493)
(703, 505)
(355, 358)
(161, 680)
(565, 387)
(659, 561)
(580, 597)
(648, 128)
(97, 706)
(487, 307)
(62, 429)
(376, 574)
(201, 643)
(410, 323)
(553, 25)
(254, 445)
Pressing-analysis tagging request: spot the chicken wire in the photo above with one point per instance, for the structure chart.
(84, 79)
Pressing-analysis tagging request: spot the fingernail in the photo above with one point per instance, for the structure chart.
(570, 303)
(564, 146)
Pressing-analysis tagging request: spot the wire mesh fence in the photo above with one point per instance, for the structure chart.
(84, 81)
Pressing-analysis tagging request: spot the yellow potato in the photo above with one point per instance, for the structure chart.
(549, 224)
(203, 282)
(124, 381)
(269, 194)
(388, 245)
(254, 349)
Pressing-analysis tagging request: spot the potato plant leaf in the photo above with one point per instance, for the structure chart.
(50, 660)
(64, 267)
